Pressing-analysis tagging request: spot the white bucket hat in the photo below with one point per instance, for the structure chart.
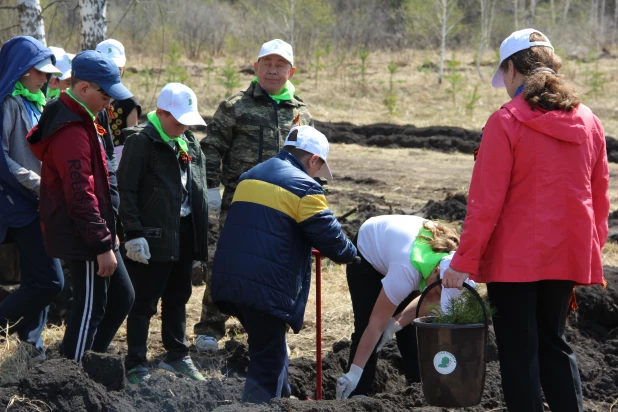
(278, 47)
(517, 41)
(181, 102)
(63, 62)
(114, 50)
(312, 141)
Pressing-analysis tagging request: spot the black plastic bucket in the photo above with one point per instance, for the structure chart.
(452, 358)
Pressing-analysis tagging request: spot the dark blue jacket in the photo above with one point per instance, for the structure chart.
(18, 205)
(263, 259)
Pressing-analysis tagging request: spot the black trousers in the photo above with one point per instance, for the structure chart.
(100, 305)
(530, 323)
(170, 282)
(365, 285)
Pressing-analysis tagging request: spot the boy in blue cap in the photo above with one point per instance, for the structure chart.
(76, 210)
(25, 65)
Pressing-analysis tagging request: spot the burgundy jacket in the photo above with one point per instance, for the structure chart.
(76, 211)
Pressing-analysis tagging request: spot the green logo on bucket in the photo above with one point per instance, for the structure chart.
(444, 362)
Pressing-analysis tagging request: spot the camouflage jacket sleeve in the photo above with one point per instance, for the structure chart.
(219, 135)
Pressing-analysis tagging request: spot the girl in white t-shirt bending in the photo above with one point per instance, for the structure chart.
(400, 255)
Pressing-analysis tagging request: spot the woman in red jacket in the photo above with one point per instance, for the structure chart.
(537, 220)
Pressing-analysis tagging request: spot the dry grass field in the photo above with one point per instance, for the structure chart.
(339, 97)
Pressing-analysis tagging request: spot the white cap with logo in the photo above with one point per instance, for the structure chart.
(181, 102)
(312, 141)
(63, 62)
(46, 66)
(278, 47)
(517, 41)
(114, 50)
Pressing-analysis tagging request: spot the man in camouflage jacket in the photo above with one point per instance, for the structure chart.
(248, 128)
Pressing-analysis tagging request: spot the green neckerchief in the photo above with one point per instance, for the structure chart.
(37, 98)
(286, 94)
(423, 258)
(81, 104)
(53, 93)
(152, 118)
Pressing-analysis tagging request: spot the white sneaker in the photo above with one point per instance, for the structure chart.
(206, 343)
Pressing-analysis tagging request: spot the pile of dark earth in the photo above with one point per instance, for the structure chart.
(59, 384)
(441, 138)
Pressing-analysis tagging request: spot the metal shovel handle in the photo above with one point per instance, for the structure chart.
(467, 286)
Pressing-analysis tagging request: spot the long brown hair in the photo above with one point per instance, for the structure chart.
(445, 238)
(543, 88)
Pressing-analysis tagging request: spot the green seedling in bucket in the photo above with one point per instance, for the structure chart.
(462, 311)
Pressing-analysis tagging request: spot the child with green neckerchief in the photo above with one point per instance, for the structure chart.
(164, 213)
(25, 65)
(400, 256)
(61, 81)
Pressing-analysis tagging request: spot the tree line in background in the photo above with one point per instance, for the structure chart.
(204, 29)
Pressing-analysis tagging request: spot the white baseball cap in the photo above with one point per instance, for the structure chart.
(63, 62)
(517, 41)
(181, 102)
(278, 47)
(46, 66)
(310, 140)
(114, 50)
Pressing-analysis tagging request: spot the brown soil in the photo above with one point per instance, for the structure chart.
(59, 384)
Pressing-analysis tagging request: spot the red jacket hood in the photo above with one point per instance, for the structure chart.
(57, 114)
(566, 126)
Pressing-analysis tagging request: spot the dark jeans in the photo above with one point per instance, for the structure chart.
(100, 305)
(267, 375)
(170, 282)
(41, 281)
(530, 324)
(365, 284)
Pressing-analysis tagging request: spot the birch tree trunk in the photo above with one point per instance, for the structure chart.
(594, 20)
(443, 32)
(487, 19)
(31, 20)
(516, 13)
(448, 17)
(602, 23)
(565, 12)
(94, 25)
(532, 13)
(615, 22)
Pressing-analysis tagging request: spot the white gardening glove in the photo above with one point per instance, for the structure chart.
(347, 383)
(214, 201)
(392, 328)
(138, 250)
